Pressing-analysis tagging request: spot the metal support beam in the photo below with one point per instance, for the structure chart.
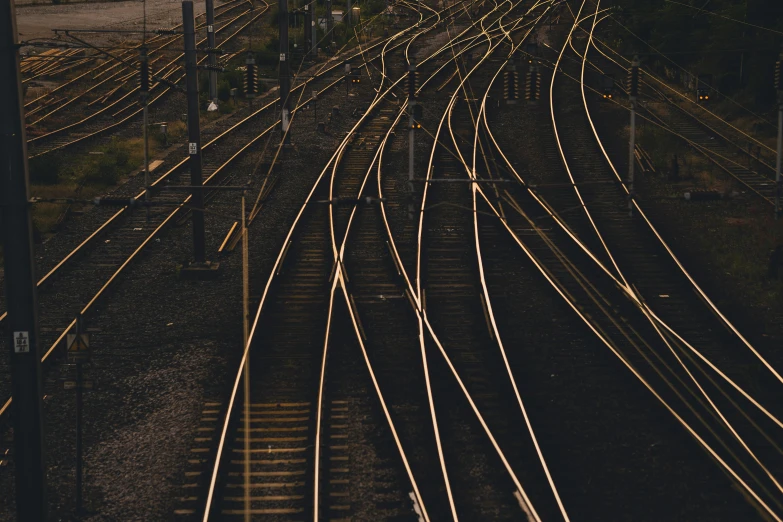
(329, 22)
(411, 134)
(285, 79)
(20, 282)
(314, 31)
(778, 163)
(194, 134)
(633, 87)
(631, 159)
(308, 41)
(211, 45)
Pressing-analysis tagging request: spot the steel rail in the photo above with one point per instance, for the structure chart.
(516, 238)
(421, 312)
(485, 290)
(696, 287)
(629, 294)
(109, 65)
(275, 269)
(180, 164)
(700, 121)
(129, 93)
(646, 307)
(183, 205)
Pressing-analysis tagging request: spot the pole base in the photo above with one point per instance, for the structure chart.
(192, 271)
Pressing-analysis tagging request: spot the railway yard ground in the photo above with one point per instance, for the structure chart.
(37, 21)
(508, 335)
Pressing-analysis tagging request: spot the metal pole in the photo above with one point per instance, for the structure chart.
(20, 290)
(631, 159)
(633, 94)
(780, 156)
(306, 29)
(348, 16)
(79, 449)
(245, 332)
(411, 133)
(211, 45)
(144, 91)
(194, 135)
(314, 35)
(145, 122)
(285, 80)
(411, 148)
(329, 21)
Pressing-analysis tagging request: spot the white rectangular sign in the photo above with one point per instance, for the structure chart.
(192, 148)
(21, 342)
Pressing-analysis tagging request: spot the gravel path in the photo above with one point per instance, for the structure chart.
(38, 21)
(163, 348)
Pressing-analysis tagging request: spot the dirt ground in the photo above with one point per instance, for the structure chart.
(38, 21)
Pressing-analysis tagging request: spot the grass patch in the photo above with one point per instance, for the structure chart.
(84, 176)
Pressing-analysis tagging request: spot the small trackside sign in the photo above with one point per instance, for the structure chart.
(282, 57)
(210, 29)
(192, 148)
(21, 342)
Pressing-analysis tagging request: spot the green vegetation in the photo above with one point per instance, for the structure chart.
(86, 175)
(739, 57)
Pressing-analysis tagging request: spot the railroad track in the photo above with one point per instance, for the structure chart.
(84, 276)
(717, 140)
(124, 108)
(32, 70)
(640, 268)
(356, 157)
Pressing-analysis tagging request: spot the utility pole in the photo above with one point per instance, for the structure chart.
(314, 33)
(285, 80)
(347, 72)
(79, 357)
(194, 134)
(246, 371)
(348, 15)
(779, 88)
(211, 48)
(329, 21)
(411, 131)
(633, 92)
(144, 91)
(308, 43)
(20, 282)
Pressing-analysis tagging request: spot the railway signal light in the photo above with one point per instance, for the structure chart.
(355, 78)
(412, 82)
(144, 72)
(634, 77)
(533, 84)
(703, 87)
(250, 77)
(418, 112)
(608, 89)
(531, 48)
(510, 83)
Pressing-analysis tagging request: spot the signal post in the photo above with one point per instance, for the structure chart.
(21, 329)
(414, 111)
(779, 88)
(633, 92)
